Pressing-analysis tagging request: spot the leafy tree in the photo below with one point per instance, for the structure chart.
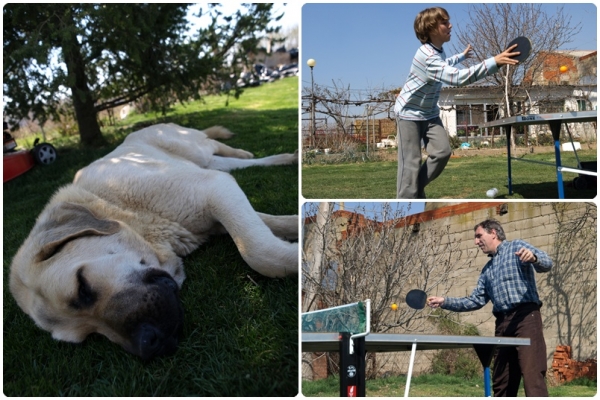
(99, 56)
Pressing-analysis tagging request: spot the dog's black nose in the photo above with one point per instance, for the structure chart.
(162, 279)
(151, 342)
(166, 281)
(148, 339)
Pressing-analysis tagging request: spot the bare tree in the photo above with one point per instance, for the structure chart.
(379, 259)
(334, 103)
(312, 264)
(342, 105)
(493, 25)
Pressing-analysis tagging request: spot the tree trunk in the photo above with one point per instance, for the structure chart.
(85, 113)
(314, 273)
(83, 98)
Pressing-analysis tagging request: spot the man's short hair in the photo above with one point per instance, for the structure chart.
(491, 224)
(427, 20)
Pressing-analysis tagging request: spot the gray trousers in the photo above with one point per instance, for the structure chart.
(414, 175)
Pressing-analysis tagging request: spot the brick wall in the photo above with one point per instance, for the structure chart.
(566, 369)
(378, 129)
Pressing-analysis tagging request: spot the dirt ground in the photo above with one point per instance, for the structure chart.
(520, 150)
(388, 155)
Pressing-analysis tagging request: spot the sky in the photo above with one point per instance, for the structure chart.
(290, 12)
(371, 46)
(372, 209)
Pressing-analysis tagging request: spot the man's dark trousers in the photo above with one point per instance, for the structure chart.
(511, 363)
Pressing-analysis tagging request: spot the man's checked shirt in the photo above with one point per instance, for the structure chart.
(505, 280)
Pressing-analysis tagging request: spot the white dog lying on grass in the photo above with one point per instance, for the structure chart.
(105, 254)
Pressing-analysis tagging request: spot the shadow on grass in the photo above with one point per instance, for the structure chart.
(549, 190)
(254, 129)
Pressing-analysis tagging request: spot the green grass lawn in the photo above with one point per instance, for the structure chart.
(463, 178)
(435, 386)
(240, 334)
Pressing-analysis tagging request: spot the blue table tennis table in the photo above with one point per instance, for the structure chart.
(555, 121)
(386, 342)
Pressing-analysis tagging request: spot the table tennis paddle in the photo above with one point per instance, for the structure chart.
(523, 47)
(416, 299)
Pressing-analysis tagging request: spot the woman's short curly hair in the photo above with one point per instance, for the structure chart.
(427, 20)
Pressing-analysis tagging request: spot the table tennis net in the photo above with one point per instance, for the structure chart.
(347, 318)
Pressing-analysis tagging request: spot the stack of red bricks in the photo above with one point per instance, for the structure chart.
(565, 369)
(319, 366)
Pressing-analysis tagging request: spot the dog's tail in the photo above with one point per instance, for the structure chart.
(218, 132)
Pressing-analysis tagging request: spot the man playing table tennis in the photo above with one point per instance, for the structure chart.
(508, 281)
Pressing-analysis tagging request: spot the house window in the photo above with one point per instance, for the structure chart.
(462, 115)
(493, 113)
(468, 118)
(581, 105)
(547, 107)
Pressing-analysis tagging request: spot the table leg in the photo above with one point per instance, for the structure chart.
(555, 129)
(410, 368)
(508, 129)
(352, 366)
(485, 354)
(487, 382)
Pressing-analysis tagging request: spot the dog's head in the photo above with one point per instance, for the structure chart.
(77, 274)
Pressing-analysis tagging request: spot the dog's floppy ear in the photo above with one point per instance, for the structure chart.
(66, 222)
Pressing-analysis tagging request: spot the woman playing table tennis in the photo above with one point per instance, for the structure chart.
(416, 108)
(508, 281)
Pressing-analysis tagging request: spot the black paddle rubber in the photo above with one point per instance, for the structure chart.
(523, 47)
(416, 299)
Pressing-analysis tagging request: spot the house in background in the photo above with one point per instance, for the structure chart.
(546, 89)
(550, 90)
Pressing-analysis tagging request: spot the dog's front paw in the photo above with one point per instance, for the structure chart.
(243, 154)
(288, 158)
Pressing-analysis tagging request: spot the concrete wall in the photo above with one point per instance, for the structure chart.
(540, 225)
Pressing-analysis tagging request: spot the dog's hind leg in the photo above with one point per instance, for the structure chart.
(283, 226)
(229, 164)
(260, 248)
(223, 150)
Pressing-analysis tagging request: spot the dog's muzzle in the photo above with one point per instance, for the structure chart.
(153, 320)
